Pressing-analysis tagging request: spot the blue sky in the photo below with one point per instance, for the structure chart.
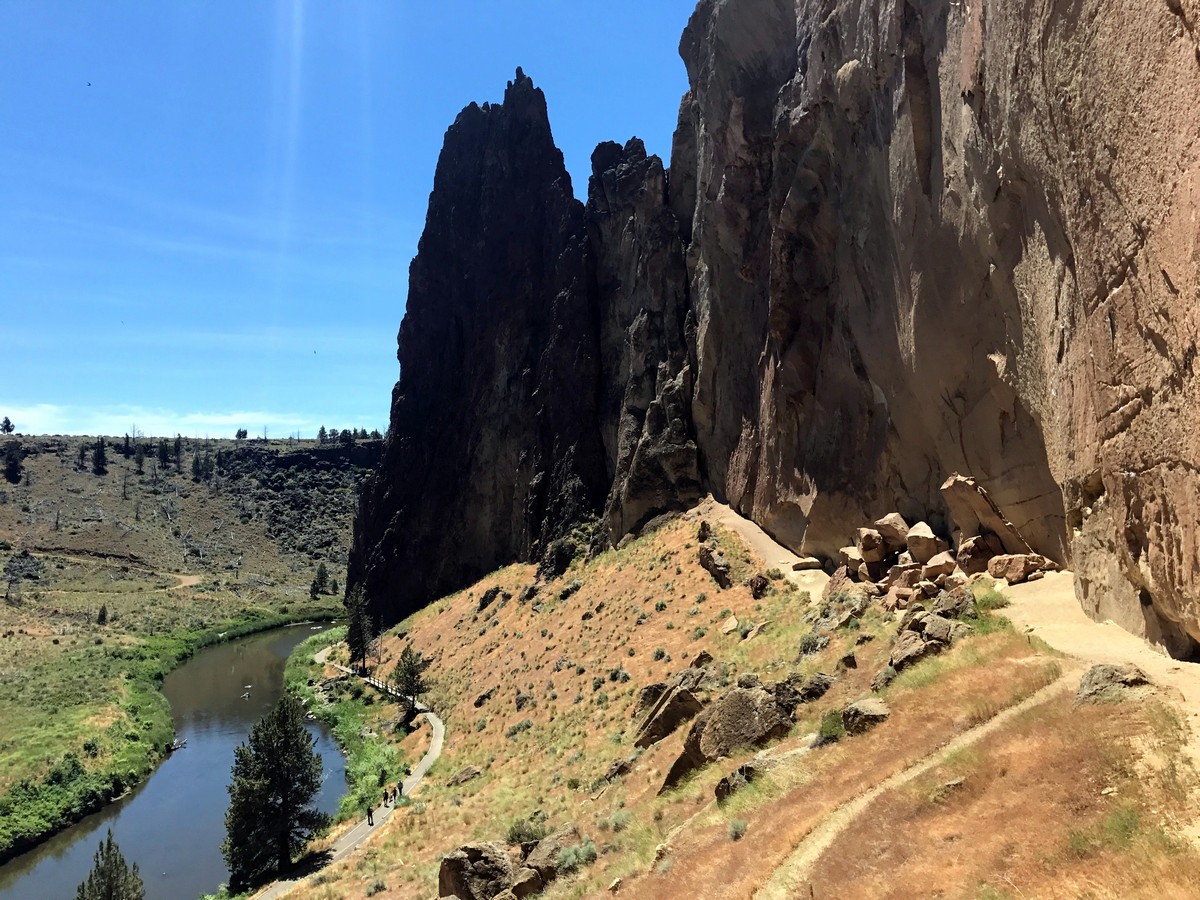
(216, 232)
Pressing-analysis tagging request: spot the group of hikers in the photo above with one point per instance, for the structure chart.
(389, 798)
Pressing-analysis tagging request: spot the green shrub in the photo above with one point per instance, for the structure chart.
(832, 728)
(572, 858)
(659, 653)
(524, 831)
(737, 828)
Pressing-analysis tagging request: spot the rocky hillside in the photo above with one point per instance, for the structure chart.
(897, 241)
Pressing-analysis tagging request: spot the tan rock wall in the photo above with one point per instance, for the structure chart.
(932, 237)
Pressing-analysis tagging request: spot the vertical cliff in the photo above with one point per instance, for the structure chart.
(897, 240)
(947, 237)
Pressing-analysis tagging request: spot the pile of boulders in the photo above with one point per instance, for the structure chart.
(905, 562)
(926, 631)
(494, 871)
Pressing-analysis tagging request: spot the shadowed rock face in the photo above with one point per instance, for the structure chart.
(898, 240)
(494, 447)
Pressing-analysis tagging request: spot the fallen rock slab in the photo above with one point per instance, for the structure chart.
(464, 775)
(714, 563)
(475, 872)
(1017, 567)
(894, 531)
(1105, 683)
(973, 512)
(864, 715)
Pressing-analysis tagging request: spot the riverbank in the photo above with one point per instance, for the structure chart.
(97, 711)
(358, 716)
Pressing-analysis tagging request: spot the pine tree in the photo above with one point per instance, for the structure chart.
(6, 426)
(13, 455)
(164, 454)
(271, 816)
(178, 453)
(126, 450)
(139, 458)
(322, 435)
(111, 877)
(408, 678)
(99, 458)
(359, 626)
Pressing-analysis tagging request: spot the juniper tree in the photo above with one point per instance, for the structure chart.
(6, 426)
(178, 453)
(408, 678)
(139, 458)
(111, 877)
(164, 454)
(99, 458)
(271, 816)
(12, 462)
(360, 628)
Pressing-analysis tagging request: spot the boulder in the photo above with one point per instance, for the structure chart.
(864, 715)
(905, 576)
(756, 630)
(885, 677)
(1017, 567)
(544, 857)
(850, 558)
(730, 625)
(910, 647)
(894, 531)
(927, 588)
(647, 697)
(1104, 683)
(923, 544)
(619, 767)
(703, 532)
(759, 586)
(958, 603)
(815, 687)
(740, 718)
(974, 553)
(464, 775)
(702, 659)
(974, 513)
(937, 628)
(806, 564)
(870, 545)
(938, 565)
(475, 872)
(675, 707)
(736, 780)
(713, 561)
(485, 697)
(526, 883)
(897, 598)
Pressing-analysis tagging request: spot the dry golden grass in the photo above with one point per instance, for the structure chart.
(642, 597)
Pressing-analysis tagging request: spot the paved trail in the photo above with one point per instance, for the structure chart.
(347, 843)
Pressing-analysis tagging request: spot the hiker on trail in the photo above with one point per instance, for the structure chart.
(370, 818)
(399, 790)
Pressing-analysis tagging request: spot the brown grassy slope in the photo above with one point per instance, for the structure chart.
(576, 728)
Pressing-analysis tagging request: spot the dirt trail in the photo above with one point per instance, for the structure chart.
(1049, 609)
(786, 880)
(1046, 608)
(771, 552)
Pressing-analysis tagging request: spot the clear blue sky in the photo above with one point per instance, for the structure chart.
(216, 232)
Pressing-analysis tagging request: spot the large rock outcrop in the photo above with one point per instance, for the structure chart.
(898, 240)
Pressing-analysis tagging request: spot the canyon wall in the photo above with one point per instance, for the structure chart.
(896, 240)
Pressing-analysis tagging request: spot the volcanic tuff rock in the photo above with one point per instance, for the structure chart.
(914, 237)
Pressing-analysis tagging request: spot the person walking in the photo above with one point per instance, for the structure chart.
(370, 816)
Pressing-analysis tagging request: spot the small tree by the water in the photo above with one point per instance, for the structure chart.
(111, 877)
(271, 816)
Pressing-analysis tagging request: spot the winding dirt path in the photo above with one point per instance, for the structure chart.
(351, 840)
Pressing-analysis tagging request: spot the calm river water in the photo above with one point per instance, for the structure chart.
(172, 826)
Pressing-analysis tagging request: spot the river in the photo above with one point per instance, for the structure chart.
(173, 824)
